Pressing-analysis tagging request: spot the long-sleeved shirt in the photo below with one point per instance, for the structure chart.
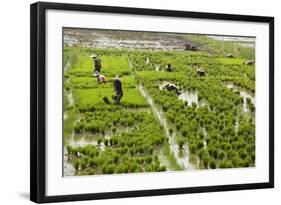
(117, 86)
(97, 64)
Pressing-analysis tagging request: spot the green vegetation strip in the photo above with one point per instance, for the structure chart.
(128, 138)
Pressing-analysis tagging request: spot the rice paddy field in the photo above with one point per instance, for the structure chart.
(209, 125)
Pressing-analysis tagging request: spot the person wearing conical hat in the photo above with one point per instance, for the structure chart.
(97, 63)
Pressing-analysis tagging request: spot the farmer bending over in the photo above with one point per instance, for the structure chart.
(101, 78)
(97, 63)
(169, 68)
(117, 89)
(170, 87)
(200, 72)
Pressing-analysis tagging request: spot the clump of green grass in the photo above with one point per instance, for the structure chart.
(93, 97)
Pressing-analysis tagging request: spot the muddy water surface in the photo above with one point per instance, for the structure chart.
(189, 97)
(244, 95)
(174, 147)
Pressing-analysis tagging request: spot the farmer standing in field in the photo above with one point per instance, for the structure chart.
(117, 89)
(97, 63)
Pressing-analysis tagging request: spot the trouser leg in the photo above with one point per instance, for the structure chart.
(118, 98)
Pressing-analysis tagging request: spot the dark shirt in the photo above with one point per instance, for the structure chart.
(117, 86)
(169, 69)
(97, 63)
(171, 87)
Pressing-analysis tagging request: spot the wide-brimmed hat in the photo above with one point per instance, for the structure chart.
(93, 55)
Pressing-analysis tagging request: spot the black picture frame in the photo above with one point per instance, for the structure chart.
(38, 101)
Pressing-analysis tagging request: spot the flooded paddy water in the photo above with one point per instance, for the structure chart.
(174, 147)
(190, 97)
(69, 169)
(244, 94)
(103, 39)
